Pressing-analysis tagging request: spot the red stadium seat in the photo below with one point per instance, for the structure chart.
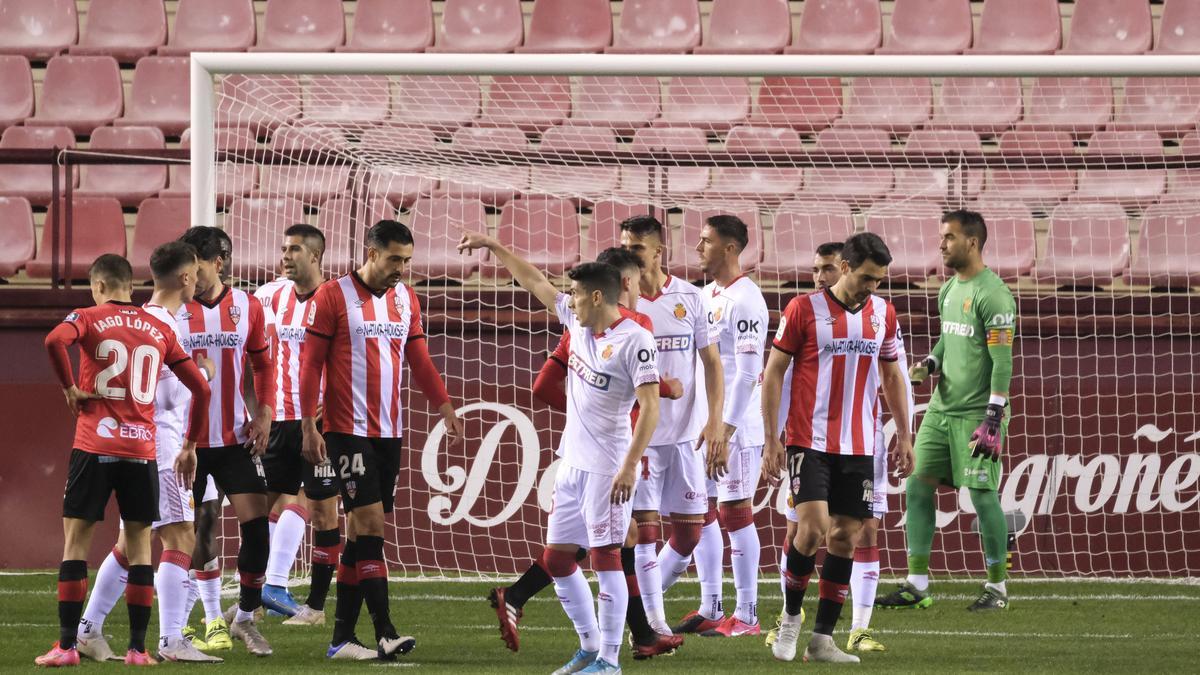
(160, 95)
(542, 230)
(211, 26)
(1018, 27)
(1039, 188)
(531, 103)
(800, 227)
(442, 102)
(806, 104)
(230, 179)
(683, 261)
(256, 226)
(911, 231)
(1086, 245)
(398, 184)
(928, 27)
(493, 185)
(1080, 105)
(987, 105)
(16, 90)
(98, 227)
(621, 103)
(583, 183)
(1168, 105)
(128, 184)
(569, 26)
(763, 184)
(1130, 188)
(258, 102)
(605, 230)
(1168, 251)
(33, 181)
(1110, 27)
(1184, 184)
(81, 92)
(748, 27)
(311, 184)
(1179, 28)
(351, 99)
(1011, 243)
(158, 221)
(391, 26)
(126, 30)
(678, 181)
(481, 26)
(898, 104)
(657, 27)
(838, 27)
(17, 237)
(38, 29)
(437, 224)
(855, 185)
(302, 26)
(712, 103)
(343, 221)
(956, 184)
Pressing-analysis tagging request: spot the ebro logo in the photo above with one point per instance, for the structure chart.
(106, 427)
(135, 432)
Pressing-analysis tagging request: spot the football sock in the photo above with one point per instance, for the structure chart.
(649, 576)
(744, 554)
(709, 553)
(252, 564)
(272, 521)
(918, 530)
(613, 602)
(530, 584)
(286, 537)
(671, 565)
(635, 614)
(72, 589)
(835, 583)
(864, 581)
(576, 598)
(783, 567)
(349, 596)
(799, 570)
(139, 598)
(193, 595)
(993, 530)
(327, 545)
(109, 587)
(373, 583)
(208, 580)
(171, 587)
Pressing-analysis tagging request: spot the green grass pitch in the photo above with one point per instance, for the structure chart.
(1051, 627)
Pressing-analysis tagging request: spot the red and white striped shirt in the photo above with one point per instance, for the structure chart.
(226, 331)
(835, 386)
(286, 317)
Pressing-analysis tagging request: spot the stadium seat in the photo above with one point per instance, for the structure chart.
(584, 184)
(38, 29)
(1039, 188)
(211, 26)
(605, 230)
(657, 27)
(17, 238)
(126, 30)
(531, 103)
(712, 103)
(349, 99)
(80, 92)
(987, 105)
(391, 26)
(33, 181)
(1011, 243)
(1168, 250)
(481, 26)
(493, 185)
(393, 182)
(440, 102)
(806, 104)
(956, 184)
(911, 231)
(858, 186)
(677, 181)
(1179, 28)
(761, 184)
(158, 221)
(310, 183)
(1184, 184)
(1018, 27)
(256, 226)
(230, 179)
(800, 227)
(128, 184)
(1086, 245)
(437, 224)
(160, 95)
(1110, 27)
(683, 261)
(928, 27)
(258, 102)
(343, 221)
(621, 103)
(302, 26)
(97, 227)
(1080, 105)
(1168, 105)
(747, 27)
(559, 26)
(1130, 188)
(16, 90)
(838, 27)
(898, 104)
(542, 230)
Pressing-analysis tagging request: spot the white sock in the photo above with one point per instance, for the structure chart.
(271, 522)
(709, 554)
(650, 581)
(919, 581)
(192, 597)
(576, 598)
(171, 587)
(107, 589)
(243, 615)
(210, 595)
(1001, 588)
(864, 581)
(613, 600)
(782, 570)
(744, 555)
(286, 537)
(671, 565)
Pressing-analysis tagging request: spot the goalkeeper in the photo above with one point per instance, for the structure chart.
(961, 437)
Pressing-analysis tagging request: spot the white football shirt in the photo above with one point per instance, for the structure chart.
(680, 329)
(737, 320)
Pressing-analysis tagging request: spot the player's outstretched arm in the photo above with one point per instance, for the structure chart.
(529, 277)
(623, 482)
(895, 394)
(772, 393)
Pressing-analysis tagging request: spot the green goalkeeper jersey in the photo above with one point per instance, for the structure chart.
(974, 351)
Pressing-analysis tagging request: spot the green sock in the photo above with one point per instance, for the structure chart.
(919, 524)
(993, 530)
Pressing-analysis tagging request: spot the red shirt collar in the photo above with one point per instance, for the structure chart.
(662, 290)
(625, 314)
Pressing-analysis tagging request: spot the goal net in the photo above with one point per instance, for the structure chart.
(1086, 169)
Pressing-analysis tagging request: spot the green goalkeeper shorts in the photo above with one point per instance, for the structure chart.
(944, 454)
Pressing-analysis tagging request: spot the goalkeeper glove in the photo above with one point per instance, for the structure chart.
(986, 441)
(921, 370)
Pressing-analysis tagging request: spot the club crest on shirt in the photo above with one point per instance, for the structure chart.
(680, 311)
(235, 314)
(966, 305)
(312, 313)
(73, 316)
(351, 488)
(876, 324)
(397, 301)
(716, 316)
(607, 353)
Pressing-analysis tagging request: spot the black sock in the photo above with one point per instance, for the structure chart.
(532, 582)
(635, 613)
(72, 590)
(139, 598)
(835, 582)
(372, 581)
(252, 562)
(799, 569)
(324, 560)
(349, 596)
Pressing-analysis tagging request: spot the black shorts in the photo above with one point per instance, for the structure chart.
(233, 469)
(367, 467)
(92, 478)
(287, 469)
(845, 482)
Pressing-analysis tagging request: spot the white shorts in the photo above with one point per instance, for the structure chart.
(745, 465)
(672, 480)
(879, 503)
(582, 513)
(175, 504)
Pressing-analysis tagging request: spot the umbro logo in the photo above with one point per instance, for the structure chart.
(831, 320)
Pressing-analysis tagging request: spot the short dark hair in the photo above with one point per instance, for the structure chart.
(865, 246)
(730, 227)
(597, 276)
(112, 269)
(619, 258)
(643, 225)
(308, 232)
(830, 248)
(169, 258)
(971, 223)
(387, 231)
(210, 242)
